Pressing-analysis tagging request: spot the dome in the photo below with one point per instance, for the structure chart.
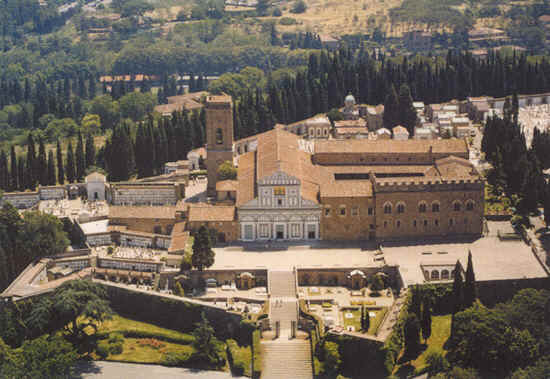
(350, 100)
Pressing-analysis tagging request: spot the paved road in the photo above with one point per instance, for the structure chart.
(115, 370)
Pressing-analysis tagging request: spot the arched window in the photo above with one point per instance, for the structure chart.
(318, 132)
(435, 206)
(326, 132)
(445, 274)
(422, 207)
(400, 208)
(219, 136)
(457, 206)
(387, 208)
(246, 148)
(469, 205)
(435, 275)
(398, 223)
(451, 222)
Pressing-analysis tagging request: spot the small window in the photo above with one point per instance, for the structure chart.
(435, 275)
(327, 212)
(385, 224)
(436, 222)
(387, 208)
(280, 202)
(354, 211)
(422, 207)
(425, 223)
(435, 207)
(219, 136)
(400, 208)
(398, 224)
(371, 226)
(445, 274)
(470, 206)
(414, 223)
(370, 211)
(457, 206)
(451, 222)
(342, 211)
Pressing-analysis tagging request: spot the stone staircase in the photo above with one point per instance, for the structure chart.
(286, 359)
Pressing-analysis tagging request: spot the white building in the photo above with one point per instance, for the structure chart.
(95, 186)
(400, 133)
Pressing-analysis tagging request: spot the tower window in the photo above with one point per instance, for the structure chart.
(219, 136)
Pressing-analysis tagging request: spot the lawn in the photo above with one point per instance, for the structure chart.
(143, 350)
(133, 328)
(356, 320)
(441, 331)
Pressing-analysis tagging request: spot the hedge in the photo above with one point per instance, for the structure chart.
(237, 362)
(187, 340)
(256, 355)
(395, 341)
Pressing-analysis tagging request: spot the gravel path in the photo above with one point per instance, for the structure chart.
(116, 370)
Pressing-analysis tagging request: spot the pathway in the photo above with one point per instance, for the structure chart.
(285, 357)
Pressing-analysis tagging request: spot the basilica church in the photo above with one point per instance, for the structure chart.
(292, 188)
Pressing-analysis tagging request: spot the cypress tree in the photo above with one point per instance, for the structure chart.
(470, 292)
(14, 180)
(4, 173)
(60, 169)
(391, 116)
(31, 174)
(411, 334)
(407, 112)
(41, 163)
(367, 321)
(21, 174)
(458, 290)
(90, 150)
(70, 166)
(51, 169)
(80, 159)
(426, 321)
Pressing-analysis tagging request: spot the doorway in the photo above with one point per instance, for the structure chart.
(280, 231)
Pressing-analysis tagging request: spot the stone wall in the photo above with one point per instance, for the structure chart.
(229, 229)
(355, 224)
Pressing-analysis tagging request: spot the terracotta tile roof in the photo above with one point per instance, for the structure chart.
(346, 188)
(377, 169)
(359, 123)
(180, 237)
(226, 185)
(142, 212)
(450, 146)
(246, 178)
(352, 130)
(217, 213)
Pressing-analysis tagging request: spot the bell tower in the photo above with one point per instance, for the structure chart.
(219, 137)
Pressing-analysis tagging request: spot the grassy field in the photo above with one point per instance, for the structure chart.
(441, 331)
(340, 17)
(145, 350)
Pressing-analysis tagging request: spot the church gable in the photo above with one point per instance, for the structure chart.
(279, 178)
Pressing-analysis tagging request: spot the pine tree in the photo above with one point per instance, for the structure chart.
(458, 290)
(90, 151)
(469, 283)
(42, 164)
(60, 169)
(426, 320)
(70, 165)
(80, 159)
(51, 169)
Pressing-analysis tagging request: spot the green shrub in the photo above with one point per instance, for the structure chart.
(236, 361)
(256, 355)
(102, 350)
(436, 362)
(176, 359)
(116, 338)
(116, 348)
(277, 12)
(287, 21)
(299, 7)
